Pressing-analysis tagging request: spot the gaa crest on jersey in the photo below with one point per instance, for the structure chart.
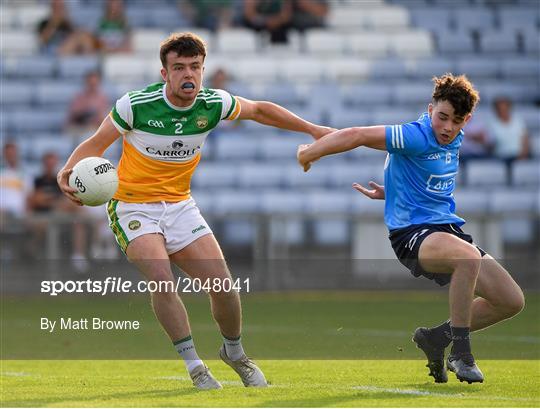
(201, 122)
(177, 144)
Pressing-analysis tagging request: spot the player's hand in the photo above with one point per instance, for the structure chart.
(377, 191)
(319, 131)
(301, 157)
(63, 182)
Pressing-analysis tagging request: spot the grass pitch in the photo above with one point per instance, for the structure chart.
(335, 349)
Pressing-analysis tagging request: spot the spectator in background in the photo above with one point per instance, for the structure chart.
(89, 107)
(47, 198)
(309, 14)
(213, 15)
(14, 185)
(113, 32)
(272, 16)
(508, 131)
(58, 35)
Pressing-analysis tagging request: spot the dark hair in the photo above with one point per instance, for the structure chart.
(184, 44)
(458, 91)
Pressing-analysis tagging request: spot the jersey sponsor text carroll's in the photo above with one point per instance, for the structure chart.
(156, 165)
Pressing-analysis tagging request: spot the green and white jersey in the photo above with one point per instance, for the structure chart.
(162, 142)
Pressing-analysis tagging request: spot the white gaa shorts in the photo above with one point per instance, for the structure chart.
(180, 223)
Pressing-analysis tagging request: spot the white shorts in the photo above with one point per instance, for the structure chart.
(180, 223)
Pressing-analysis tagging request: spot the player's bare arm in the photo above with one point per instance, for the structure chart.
(93, 146)
(268, 113)
(341, 141)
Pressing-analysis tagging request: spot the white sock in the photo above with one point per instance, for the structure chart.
(233, 348)
(186, 348)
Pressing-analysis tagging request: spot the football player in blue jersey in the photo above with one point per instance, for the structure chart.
(425, 232)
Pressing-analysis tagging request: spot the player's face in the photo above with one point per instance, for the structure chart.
(183, 76)
(445, 123)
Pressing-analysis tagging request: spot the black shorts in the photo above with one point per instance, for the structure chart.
(406, 243)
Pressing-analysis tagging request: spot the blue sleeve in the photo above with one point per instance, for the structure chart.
(406, 139)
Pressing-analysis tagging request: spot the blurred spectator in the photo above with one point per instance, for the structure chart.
(476, 143)
(508, 131)
(219, 79)
(113, 32)
(14, 185)
(213, 15)
(272, 16)
(48, 198)
(58, 35)
(90, 106)
(309, 14)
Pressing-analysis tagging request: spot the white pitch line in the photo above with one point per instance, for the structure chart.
(16, 374)
(187, 378)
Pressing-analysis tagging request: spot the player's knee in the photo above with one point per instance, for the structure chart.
(467, 261)
(514, 305)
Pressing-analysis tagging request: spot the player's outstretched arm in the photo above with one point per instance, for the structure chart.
(342, 141)
(376, 192)
(268, 113)
(93, 146)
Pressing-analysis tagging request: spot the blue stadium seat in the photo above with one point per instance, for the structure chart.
(526, 173)
(281, 147)
(517, 18)
(167, 17)
(516, 91)
(204, 200)
(57, 92)
(329, 230)
(237, 230)
(317, 177)
(521, 68)
(17, 93)
(88, 17)
(36, 66)
(425, 68)
(455, 42)
(215, 175)
(412, 93)
(236, 146)
(345, 118)
(471, 202)
(516, 204)
(139, 16)
(395, 116)
(531, 42)
(44, 143)
(27, 121)
(388, 68)
(344, 175)
(432, 18)
(77, 67)
(290, 230)
(499, 42)
(366, 94)
(486, 173)
(260, 175)
(478, 67)
(478, 19)
(531, 116)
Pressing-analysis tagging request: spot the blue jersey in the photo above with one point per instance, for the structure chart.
(419, 176)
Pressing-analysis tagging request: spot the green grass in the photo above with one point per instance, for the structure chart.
(340, 349)
(294, 384)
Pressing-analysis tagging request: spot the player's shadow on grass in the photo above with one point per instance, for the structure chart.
(177, 394)
(314, 402)
(453, 387)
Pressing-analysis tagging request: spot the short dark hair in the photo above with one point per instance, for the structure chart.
(458, 91)
(184, 44)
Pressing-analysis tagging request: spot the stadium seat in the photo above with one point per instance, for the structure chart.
(125, 68)
(284, 94)
(27, 121)
(42, 144)
(531, 42)
(526, 173)
(317, 177)
(138, 16)
(344, 175)
(527, 68)
(498, 42)
(9, 19)
(486, 173)
(166, 17)
(431, 18)
(371, 44)
(36, 66)
(56, 92)
(289, 230)
(257, 70)
(531, 116)
(387, 18)
(240, 229)
(412, 93)
(518, 92)
(17, 93)
(260, 175)
(517, 18)
(455, 42)
(425, 68)
(204, 200)
(324, 42)
(412, 44)
(396, 116)
(29, 17)
(302, 70)
(215, 175)
(237, 41)
(77, 67)
(345, 118)
(389, 68)
(513, 201)
(283, 147)
(236, 146)
(367, 95)
(346, 19)
(348, 71)
(332, 229)
(477, 19)
(478, 67)
(88, 17)
(471, 202)
(146, 41)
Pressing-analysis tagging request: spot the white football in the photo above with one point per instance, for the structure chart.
(95, 179)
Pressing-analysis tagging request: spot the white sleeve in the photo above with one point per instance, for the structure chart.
(122, 115)
(230, 108)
